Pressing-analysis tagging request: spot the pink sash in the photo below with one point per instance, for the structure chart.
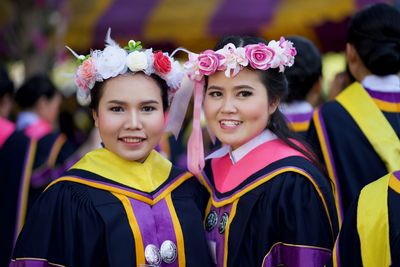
(228, 176)
(7, 128)
(38, 129)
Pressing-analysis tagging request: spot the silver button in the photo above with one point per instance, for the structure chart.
(211, 221)
(152, 255)
(168, 251)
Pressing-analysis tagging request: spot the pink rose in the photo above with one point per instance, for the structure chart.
(86, 75)
(208, 62)
(259, 56)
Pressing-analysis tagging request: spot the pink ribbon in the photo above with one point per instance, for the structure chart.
(195, 157)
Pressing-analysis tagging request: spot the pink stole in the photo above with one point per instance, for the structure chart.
(7, 128)
(38, 129)
(228, 176)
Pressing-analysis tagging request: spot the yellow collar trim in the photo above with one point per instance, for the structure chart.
(146, 176)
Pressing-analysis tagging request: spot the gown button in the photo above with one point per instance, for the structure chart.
(152, 255)
(168, 251)
(223, 222)
(211, 220)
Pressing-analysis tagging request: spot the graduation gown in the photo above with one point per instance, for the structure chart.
(374, 240)
(298, 116)
(280, 210)
(350, 158)
(7, 128)
(29, 161)
(106, 211)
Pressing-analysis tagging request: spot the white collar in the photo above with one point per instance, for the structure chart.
(26, 118)
(296, 107)
(244, 149)
(388, 83)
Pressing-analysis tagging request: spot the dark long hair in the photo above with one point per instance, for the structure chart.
(276, 85)
(33, 89)
(375, 34)
(306, 70)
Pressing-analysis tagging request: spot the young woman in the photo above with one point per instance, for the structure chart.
(30, 157)
(124, 204)
(270, 205)
(357, 134)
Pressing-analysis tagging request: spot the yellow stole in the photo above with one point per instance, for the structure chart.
(146, 176)
(372, 210)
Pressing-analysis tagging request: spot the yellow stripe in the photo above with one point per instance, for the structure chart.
(263, 180)
(387, 106)
(83, 20)
(170, 20)
(37, 259)
(373, 223)
(394, 183)
(375, 126)
(55, 150)
(291, 245)
(178, 232)
(328, 163)
(335, 255)
(299, 126)
(125, 192)
(228, 226)
(25, 186)
(139, 247)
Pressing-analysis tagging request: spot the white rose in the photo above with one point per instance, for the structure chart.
(175, 76)
(150, 61)
(111, 62)
(137, 61)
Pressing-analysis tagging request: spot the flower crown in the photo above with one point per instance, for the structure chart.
(101, 65)
(277, 54)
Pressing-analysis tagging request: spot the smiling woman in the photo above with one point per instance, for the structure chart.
(123, 204)
(270, 205)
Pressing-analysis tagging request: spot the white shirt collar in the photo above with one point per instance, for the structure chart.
(244, 149)
(26, 118)
(296, 107)
(389, 83)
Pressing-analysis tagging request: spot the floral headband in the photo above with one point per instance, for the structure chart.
(277, 54)
(101, 65)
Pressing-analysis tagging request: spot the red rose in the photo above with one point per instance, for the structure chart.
(162, 64)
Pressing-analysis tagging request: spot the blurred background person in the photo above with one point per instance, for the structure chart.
(6, 102)
(31, 157)
(305, 83)
(357, 134)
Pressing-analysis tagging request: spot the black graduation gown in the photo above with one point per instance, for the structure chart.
(95, 221)
(280, 215)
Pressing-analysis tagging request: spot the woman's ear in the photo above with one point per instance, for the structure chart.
(273, 105)
(95, 118)
(351, 53)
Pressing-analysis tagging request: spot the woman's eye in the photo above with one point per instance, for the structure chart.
(245, 93)
(215, 94)
(148, 109)
(116, 109)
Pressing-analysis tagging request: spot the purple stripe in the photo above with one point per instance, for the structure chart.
(126, 18)
(328, 148)
(296, 256)
(242, 16)
(22, 193)
(146, 222)
(299, 117)
(397, 175)
(362, 3)
(392, 97)
(165, 226)
(216, 237)
(149, 196)
(46, 175)
(31, 263)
